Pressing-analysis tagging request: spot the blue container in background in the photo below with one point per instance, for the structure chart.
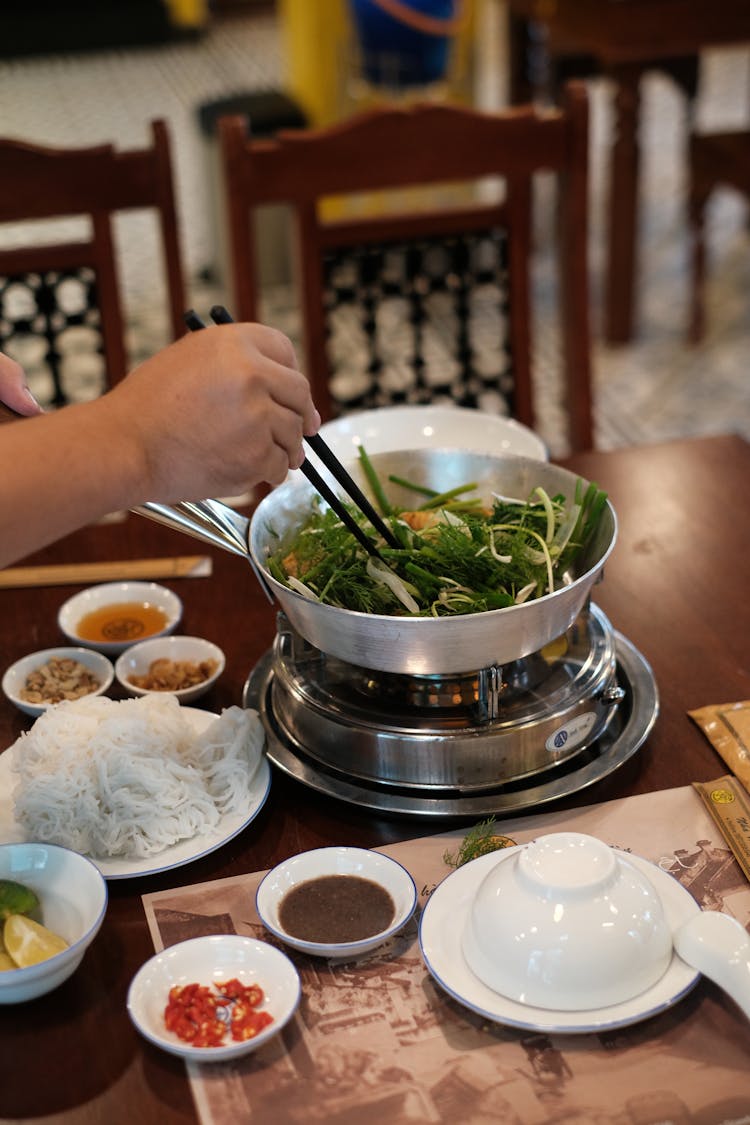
(396, 54)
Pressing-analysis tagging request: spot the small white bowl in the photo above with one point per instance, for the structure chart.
(362, 862)
(73, 901)
(117, 593)
(16, 675)
(566, 922)
(137, 660)
(205, 960)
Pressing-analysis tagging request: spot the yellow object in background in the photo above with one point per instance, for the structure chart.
(188, 13)
(322, 71)
(314, 39)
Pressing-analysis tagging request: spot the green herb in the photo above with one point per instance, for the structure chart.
(456, 556)
(374, 482)
(480, 840)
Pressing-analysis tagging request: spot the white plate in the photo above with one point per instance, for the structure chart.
(186, 851)
(391, 428)
(441, 927)
(205, 960)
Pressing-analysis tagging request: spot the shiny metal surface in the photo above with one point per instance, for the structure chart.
(433, 645)
(436, 733)
(212, 522)
(630, 727)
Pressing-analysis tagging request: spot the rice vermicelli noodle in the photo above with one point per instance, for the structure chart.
(132, 777)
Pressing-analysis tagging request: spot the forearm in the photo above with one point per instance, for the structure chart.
(61, 471)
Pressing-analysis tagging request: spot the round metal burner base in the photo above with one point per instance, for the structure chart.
(635, 718)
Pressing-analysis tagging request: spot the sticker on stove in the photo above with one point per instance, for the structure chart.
(572, 734)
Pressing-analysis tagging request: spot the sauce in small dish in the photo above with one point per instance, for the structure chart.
(122, 621)
(113, 616)
(336, 908)
(337, 902)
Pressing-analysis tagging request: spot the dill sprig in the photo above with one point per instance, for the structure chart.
(479, 840)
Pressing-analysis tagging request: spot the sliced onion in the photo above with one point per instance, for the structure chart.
(525, 593)
(302, 589)
(379, 572)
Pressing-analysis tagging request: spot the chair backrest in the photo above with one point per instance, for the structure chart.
(47, 290)
(422, 273)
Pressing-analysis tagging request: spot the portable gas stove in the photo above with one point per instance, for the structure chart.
(496, 740)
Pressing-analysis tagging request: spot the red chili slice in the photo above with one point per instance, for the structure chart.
(202, 1017)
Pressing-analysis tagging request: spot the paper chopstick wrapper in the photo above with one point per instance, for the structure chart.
(728, 804)
(74, 574)
(727, 727)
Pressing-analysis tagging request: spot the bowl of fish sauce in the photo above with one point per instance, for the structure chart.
(112, 616)
(336, 902)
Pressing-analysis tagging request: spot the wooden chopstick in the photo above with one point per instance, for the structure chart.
(74, 574)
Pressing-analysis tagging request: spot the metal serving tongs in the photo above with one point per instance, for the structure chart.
(212, 522)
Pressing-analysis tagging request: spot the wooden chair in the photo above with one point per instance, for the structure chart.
(548, 44)
(714, 160)
(401, 282)
(50, 290)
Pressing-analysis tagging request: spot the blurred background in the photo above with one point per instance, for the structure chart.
(83, 73)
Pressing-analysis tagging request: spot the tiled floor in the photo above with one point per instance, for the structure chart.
(655, 388)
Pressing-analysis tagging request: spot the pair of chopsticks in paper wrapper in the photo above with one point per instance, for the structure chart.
(727, 727)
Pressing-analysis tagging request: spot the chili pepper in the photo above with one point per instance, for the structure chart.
(202, 1017)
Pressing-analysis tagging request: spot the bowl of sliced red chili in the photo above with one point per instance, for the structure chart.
(214, 998)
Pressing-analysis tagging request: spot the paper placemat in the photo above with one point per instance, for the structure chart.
(379, 1041)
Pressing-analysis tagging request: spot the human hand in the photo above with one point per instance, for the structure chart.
(13, 389)
(216, 412)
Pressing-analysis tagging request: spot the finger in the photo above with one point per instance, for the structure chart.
(13, 389)
(273, 344)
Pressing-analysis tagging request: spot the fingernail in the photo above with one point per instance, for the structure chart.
(31, 398)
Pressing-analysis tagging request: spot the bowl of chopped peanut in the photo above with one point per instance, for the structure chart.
(44, 679)
(186, 667)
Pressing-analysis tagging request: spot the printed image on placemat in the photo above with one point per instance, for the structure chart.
(379, 1040)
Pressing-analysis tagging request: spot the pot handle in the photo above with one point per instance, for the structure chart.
(211, 521)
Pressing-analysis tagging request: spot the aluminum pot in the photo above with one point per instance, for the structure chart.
(433, 646)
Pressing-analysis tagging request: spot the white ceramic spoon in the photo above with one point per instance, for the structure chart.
(719, 947)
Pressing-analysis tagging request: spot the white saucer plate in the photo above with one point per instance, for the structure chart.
(441, 928)
(186, 851)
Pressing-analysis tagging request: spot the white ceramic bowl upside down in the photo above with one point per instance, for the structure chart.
(566, 922)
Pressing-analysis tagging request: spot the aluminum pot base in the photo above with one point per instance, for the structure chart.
(449, 732)
(631, 725)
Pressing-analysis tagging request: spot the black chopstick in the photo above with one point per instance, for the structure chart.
(219, 315)
(193, 321)
(331, 461)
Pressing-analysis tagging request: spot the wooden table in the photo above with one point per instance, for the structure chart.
(626, 38)
(676, 586)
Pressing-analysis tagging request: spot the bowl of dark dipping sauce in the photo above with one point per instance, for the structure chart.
(336, 902)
